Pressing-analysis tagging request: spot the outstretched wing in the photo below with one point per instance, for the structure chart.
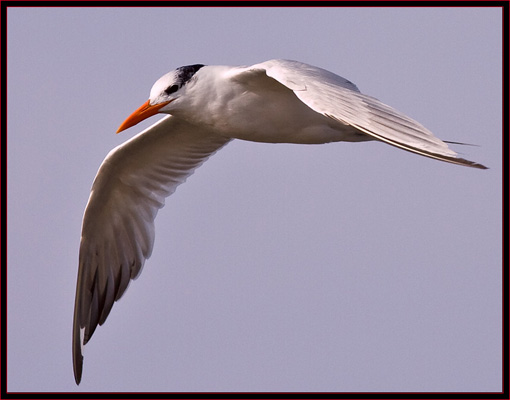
(118, 224)
(340, 100)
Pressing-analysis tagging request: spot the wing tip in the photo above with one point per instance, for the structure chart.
(471, 164)
(77, 361)
(77, 373)
(427, 153)
(78, 343)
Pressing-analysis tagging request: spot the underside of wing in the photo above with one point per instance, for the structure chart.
(340, 100)
(118, 225)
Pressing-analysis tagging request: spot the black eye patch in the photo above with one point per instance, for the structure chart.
(171, 89)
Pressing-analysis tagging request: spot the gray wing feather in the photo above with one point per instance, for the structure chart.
(118, 224)
(340, 100)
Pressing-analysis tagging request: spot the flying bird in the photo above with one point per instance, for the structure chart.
(277, 101)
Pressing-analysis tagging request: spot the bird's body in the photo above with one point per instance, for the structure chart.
(277, 101)
(248, 106)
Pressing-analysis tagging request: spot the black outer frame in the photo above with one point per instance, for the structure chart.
(4, 394)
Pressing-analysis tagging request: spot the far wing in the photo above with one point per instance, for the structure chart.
(340, 100)
(118, 224)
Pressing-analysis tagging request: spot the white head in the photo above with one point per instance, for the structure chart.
(163, 92)
(167, 87)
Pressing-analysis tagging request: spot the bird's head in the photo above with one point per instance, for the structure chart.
(166, 89)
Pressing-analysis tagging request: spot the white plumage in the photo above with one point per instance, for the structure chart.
(277, 101)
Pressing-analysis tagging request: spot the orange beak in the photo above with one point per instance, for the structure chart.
(145, 111)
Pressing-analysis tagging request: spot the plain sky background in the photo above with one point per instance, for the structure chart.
(339, 267)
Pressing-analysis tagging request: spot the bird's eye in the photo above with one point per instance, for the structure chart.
(171, 89)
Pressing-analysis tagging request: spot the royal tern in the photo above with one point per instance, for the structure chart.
(277, 101)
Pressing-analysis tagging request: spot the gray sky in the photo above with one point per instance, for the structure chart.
(339, 267)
